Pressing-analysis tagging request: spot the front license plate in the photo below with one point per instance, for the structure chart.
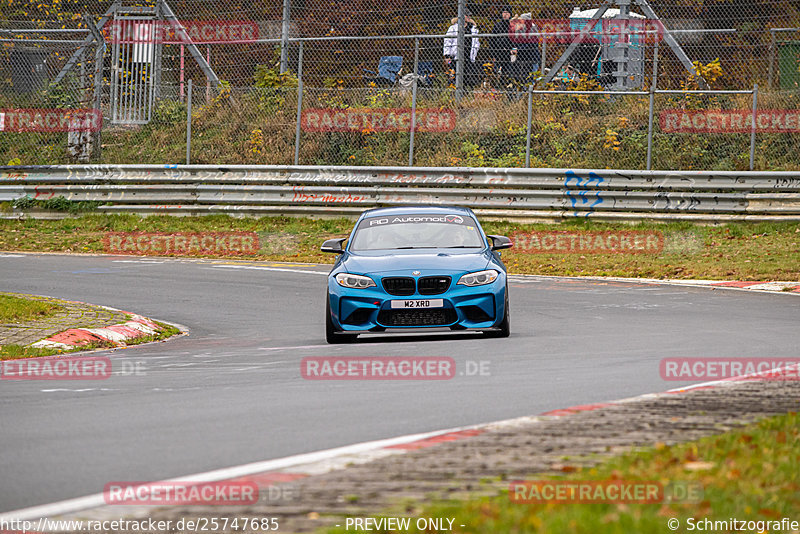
(409, 304)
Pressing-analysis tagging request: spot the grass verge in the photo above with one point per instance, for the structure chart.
(750, 474)
(15, 352)
(18, 310)
(246, 125)
(741, 251)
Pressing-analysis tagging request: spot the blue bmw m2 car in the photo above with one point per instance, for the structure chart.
(416, 268)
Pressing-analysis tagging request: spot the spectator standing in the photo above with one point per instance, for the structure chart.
(471, 42)
(525, 56)
(501, 44)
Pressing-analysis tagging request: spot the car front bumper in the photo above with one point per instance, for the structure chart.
(369, 310)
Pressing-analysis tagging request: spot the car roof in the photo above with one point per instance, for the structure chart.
(409, 210)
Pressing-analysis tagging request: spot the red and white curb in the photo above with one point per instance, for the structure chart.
(285, 470)
(115, 334)
(781, 287)
(773, 287)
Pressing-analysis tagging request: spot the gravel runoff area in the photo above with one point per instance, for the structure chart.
(483, 464)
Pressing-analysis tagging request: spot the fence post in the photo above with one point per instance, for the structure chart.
(84, 80)
(655, 65)
(188, 121)
(208, 81)
(299, 104)
(99, 56)
(461, 53)
(772, 45)
(753, 128)
(544, 53)
(651, 112)
(285, 35)
(413, 104)
(530, 120)
(650, 116)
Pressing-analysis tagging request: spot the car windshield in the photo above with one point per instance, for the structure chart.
(416, 232)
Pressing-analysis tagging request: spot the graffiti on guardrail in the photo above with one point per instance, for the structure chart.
(300, 195)
(14, 175)
(685, 202)
(412, 178)
(332, 177)
(788, 183)
(47, 194)
(581, 197)
(571, 193)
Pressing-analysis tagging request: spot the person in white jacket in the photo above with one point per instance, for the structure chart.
(450, 49)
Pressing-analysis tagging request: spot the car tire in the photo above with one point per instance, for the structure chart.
(330, 334)
(504, 328)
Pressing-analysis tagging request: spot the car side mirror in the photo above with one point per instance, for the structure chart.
(500, 242)
(334, 245)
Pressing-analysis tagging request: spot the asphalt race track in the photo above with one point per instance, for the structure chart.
(231, 392)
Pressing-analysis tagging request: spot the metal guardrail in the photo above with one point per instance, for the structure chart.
(515, 194)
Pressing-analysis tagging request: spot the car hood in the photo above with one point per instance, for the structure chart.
(438, 260)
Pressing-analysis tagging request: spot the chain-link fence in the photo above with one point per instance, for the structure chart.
(42, 121)
(702, 131)
(748, 37)
(334, 82)
(778, 141)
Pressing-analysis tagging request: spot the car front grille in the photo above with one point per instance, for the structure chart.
(438, 317)
(399, 285)
(433, 285)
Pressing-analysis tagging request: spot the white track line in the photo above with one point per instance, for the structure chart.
(758, 374)
(364, 449)
(92, 501)
(257, 268)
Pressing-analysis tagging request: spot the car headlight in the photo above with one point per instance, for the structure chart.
(354, 281)
(481, 278)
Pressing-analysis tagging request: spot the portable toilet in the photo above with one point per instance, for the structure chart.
(789, 64)
(627, 56)
(28, 69)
